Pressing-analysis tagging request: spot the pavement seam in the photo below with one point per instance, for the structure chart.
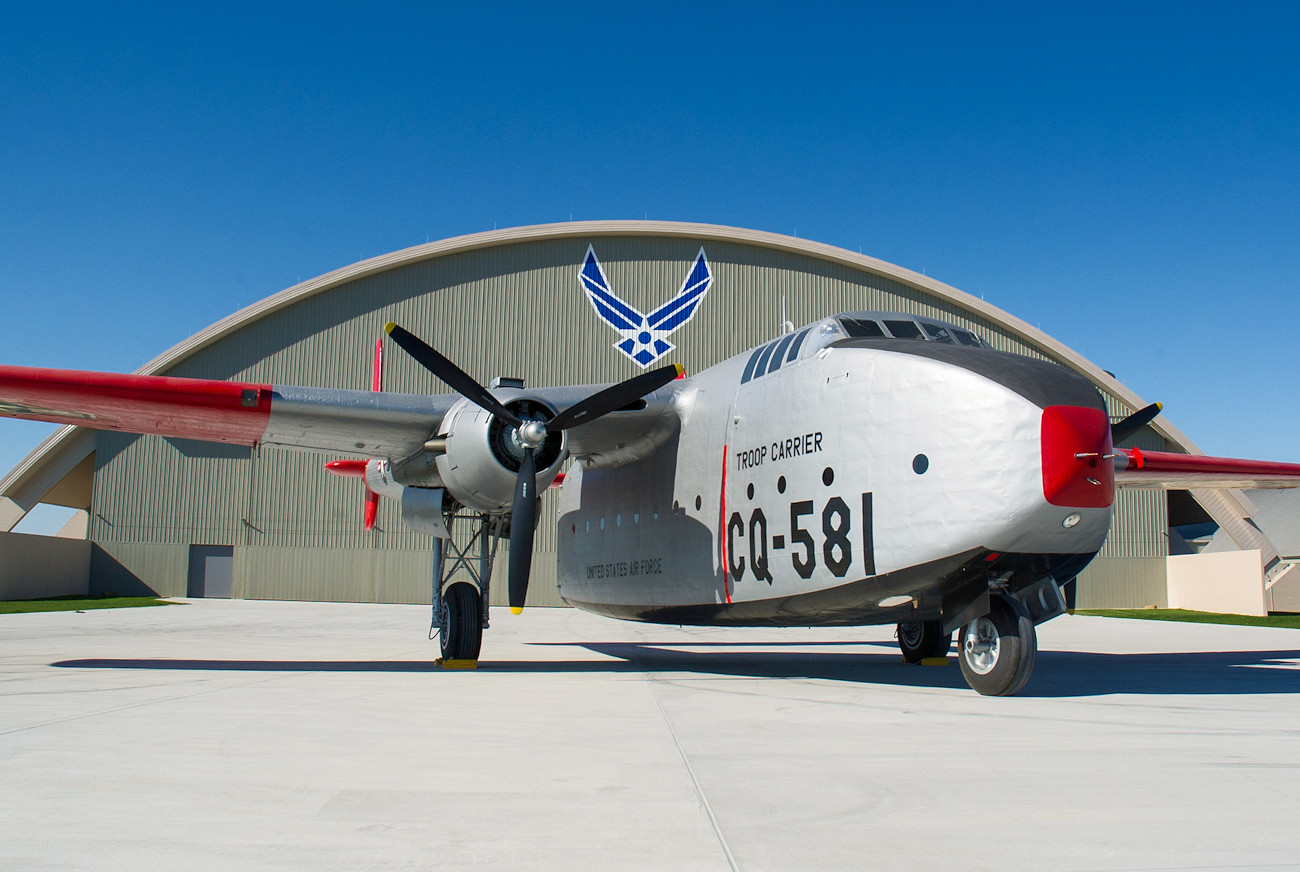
(690, 770)
(695, 781)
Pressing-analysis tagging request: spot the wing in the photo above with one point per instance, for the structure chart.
(363, 423)
(617, 313)
(1168, 471)
(681, 308)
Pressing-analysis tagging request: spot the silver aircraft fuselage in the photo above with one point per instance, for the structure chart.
(822, 479)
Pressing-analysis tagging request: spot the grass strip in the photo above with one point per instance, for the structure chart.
(78, 603)
(1278, 619)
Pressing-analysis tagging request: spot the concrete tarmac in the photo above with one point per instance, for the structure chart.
(229, 735)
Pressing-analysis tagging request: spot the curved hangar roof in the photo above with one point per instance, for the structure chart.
(511, 302)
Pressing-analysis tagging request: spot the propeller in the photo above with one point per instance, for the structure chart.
(532, 435)
(376, 384)
(357, 468)
(1121, 430)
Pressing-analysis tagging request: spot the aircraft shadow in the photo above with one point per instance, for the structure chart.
(1059, 673)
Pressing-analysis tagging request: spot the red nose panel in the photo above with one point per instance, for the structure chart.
(1075, 473)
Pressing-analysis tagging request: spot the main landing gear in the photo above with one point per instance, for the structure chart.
(460, 604)
(921, 640)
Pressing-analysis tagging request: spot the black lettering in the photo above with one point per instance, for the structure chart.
(735, 563)
(800, 536)
(758, 546)
(837, 537)
(868, 537)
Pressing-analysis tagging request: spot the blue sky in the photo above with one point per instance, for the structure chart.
(1125, 176)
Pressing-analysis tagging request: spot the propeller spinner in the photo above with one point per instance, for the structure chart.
(532, 435)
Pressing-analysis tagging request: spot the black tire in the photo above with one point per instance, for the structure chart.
(461, 633)
(919, 640)
(998, 651)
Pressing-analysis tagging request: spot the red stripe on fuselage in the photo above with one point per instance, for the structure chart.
(722, 530)
(212, 411)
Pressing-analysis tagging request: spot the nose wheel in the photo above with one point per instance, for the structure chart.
(998, 651)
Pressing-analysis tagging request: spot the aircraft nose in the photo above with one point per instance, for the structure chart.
(1077, 471)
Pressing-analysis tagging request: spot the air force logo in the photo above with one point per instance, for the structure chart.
(645, 337)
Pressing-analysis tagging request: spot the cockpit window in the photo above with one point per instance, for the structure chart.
(894, 325)
(904, 329)
(937, 333)
(861, 328)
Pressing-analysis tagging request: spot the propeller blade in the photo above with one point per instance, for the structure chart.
(523, 518)
(613, 398)
(460, 381)
(1121, 430)
(372, 509)
(376, 384)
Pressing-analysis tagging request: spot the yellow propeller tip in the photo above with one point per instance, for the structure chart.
(681, 370)
(389, 327)
(516, 610)
(1160, 406)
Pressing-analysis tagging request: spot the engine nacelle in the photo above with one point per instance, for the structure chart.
(379, 479)
(483, 454)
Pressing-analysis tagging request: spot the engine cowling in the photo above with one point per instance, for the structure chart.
(483, 454)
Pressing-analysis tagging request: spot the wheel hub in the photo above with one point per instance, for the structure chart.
(910, 633)
(980, 647)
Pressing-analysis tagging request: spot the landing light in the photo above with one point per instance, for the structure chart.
(1071, 520)
(890, 601)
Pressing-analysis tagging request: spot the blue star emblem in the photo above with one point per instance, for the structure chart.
(644, 338)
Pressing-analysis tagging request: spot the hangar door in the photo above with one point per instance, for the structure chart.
(211, 569)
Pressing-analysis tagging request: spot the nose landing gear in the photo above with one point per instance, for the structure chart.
(998, 651)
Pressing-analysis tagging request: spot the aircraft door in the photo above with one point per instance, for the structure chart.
(744, 536)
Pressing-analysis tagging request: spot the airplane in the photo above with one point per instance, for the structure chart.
(866, 468)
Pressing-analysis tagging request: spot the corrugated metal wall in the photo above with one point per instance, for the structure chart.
(515, 309)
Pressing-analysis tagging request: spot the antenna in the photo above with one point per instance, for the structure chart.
(786, 326)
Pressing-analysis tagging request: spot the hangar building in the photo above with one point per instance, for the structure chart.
(176, 517)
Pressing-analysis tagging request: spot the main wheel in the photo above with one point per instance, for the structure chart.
(461, 633)
(921, 639)
(998, 650)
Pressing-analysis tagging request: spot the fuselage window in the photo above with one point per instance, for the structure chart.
(860, 328)
(904, 329)
(965, 337)
(937, 333)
